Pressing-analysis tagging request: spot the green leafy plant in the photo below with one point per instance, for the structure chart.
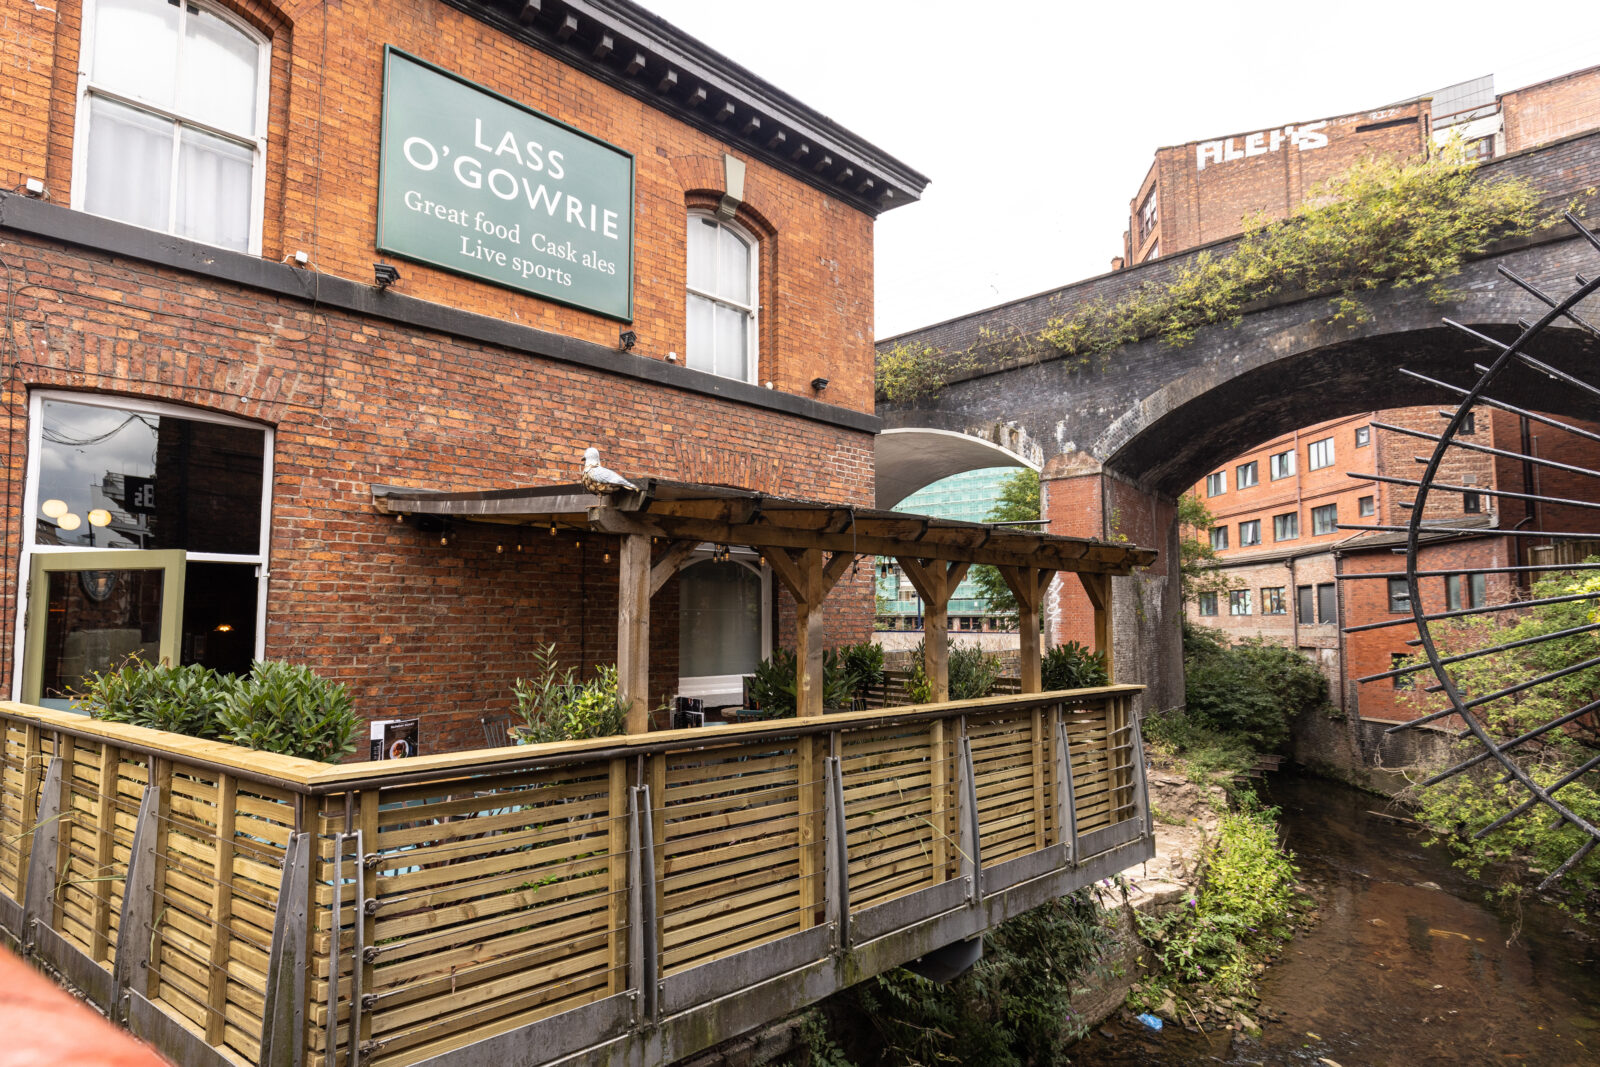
(1197, 561)
(180, 700)
(1014, 1007)
(1244, 908)
(774, 684)
(863, 663)
(288, 708)
(1072, 666)
(1528, 847)
(277, 707)
(554, 706)
(971, 671)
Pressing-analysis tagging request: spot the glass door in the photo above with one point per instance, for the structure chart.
(89, 611)
(722, 628)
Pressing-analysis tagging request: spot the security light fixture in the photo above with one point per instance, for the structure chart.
(819, 384)
(301, 259)
(385, 274)
(626, 340)
(35, 187)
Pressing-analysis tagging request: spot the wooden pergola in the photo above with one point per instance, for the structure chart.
(808, 544)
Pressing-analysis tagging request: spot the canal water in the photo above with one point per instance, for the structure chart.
(1409, 965)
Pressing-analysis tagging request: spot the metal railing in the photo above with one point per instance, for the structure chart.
(639, 896)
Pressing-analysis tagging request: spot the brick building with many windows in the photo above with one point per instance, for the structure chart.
(266, 257)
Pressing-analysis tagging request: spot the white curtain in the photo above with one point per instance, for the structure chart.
(719, 617)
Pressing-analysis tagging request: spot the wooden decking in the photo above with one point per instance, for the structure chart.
(635, 898)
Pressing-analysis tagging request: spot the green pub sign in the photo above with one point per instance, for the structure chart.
(478, 184)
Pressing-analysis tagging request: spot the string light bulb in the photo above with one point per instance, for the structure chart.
(552, 527)
(608, 557)
(499, 548)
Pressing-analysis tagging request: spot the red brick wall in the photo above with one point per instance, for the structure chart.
(325, 104)
(1200, 205)
(1551, 110)
(1371, 651)
(413, 626)
(1300, 493)
(416, 627)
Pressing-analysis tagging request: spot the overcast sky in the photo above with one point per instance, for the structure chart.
(1036, 121)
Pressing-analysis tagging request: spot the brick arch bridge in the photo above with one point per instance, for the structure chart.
(1119, 440)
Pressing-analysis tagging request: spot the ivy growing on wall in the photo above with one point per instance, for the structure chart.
(1382, 222)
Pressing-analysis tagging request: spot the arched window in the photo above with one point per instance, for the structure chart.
(171, 128)
(723, 299)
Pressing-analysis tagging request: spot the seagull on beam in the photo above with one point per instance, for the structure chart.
(602, 480)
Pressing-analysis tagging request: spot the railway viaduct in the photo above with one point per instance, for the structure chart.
(1117, 440)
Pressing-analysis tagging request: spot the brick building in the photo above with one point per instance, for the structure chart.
(1202, 191)
(604, 234)
(1279, 509)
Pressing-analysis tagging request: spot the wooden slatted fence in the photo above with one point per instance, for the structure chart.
(237, 907)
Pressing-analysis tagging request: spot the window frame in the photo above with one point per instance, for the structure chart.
(1278, 524)
(752, 241)
(1333, 526)
(1278, 471)
(1469, 424)
(1216, 483)
(1207, 605)
(1239, 599)
(1241, 481)
(1325, 445)
(1219, 538)
(1366, 506)
(87, 89)
(30, 514)
(1273, 601)
(1327, 593)
(1305, 603)
(1399, 596)
(1363, 436)
(1248, 528)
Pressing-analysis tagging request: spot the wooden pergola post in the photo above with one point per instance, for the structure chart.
(935, 580)
(639, 580)
(809, 575)
(1028, 585)
(1098, 588)
(633, 631)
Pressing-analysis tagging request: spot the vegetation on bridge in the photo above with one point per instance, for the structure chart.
(1382, 222)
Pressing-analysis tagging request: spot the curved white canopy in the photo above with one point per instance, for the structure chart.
(908, 459)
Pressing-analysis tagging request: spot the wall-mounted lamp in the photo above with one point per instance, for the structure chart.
(626, 340)
(35, 188)
(819, 384)
(385, 275)
(301, 258)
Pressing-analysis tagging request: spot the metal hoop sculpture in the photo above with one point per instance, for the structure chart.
(1510, 359)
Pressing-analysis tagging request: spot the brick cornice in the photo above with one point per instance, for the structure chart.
(643, 55)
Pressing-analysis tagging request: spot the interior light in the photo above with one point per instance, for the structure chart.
(54, 508)
(69, 521)
(223, 628)
(99, 517)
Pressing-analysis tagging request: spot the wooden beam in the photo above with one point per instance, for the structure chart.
(764, 535)
(670, 563)
(633, 631)
(1098, 588)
